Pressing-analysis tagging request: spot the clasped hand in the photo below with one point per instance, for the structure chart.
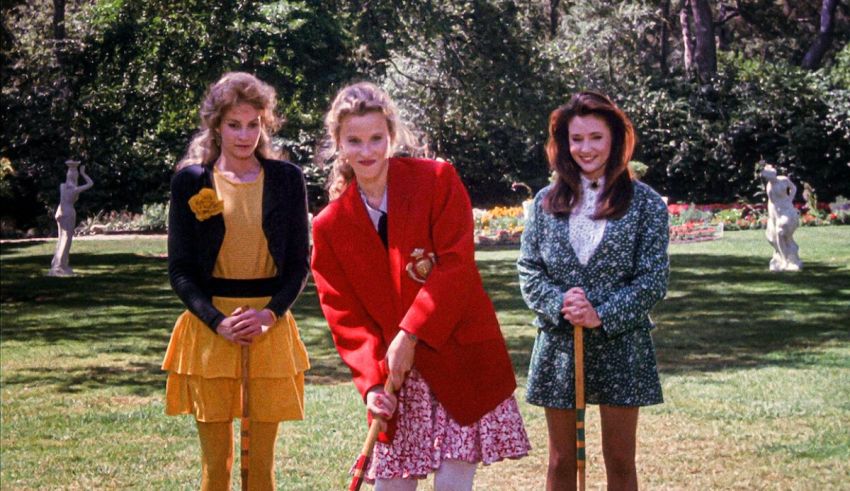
(400, 356)
(381, 405)
(245, 324)
(578, 311)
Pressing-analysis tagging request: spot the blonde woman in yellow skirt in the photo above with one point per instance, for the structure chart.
(238, 259)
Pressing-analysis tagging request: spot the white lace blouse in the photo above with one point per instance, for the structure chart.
(585, 232)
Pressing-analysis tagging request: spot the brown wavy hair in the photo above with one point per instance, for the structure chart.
(232, 89)
(566, 191)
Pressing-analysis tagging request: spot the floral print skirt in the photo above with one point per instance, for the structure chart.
(426, 436)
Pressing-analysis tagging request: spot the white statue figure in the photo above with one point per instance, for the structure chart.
(782, 220)
(66, 217)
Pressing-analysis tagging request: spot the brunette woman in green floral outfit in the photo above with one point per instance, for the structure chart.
(594, 254)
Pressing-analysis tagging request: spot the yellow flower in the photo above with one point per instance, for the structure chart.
(206, 204)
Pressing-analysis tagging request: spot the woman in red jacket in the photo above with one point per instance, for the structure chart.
(394, 265)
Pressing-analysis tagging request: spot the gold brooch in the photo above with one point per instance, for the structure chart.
(420, 267)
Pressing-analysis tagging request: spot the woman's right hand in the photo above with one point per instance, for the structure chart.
(400, 357)
(228, 330)
(244, 324)
(381, 404)
(578, 311)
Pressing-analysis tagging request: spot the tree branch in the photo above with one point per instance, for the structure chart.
(409, 77)
(814, 56)
(731, 14)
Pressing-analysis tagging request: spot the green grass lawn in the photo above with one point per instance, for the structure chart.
(755, 367)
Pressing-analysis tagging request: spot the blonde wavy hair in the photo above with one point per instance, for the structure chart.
(232, 89)
(359, 99)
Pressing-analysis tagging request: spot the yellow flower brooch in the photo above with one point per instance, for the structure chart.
(206, 204)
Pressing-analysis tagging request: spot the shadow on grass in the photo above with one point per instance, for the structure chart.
(727, 311)
(142, 379)
(118, 305)
(85, 307)
(723, 311)
(326, 367)
(502, 284)
(119, 308)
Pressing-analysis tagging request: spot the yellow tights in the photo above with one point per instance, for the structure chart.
(217, 455)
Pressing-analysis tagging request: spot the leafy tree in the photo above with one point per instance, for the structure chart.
(124, 97)
(117, 83)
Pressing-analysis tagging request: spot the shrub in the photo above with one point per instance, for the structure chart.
(154, 218)
(106, 222)
(689, 215)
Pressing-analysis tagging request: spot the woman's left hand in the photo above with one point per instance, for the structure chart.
(251, 323)
(400, 357)
(577, 310)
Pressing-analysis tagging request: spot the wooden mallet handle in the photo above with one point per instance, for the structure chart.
(578, 342)
(245, 426)
(372, 436)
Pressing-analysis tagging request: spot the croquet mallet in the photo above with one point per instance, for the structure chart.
(245, 427)
(578, 342)
(362, 464)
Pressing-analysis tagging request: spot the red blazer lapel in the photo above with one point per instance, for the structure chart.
(369, 276)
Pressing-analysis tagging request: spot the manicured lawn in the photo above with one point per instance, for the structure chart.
(755, 367)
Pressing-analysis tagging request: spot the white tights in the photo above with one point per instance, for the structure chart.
(452, 475)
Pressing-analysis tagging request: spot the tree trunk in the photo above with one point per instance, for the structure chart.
(687, 37)
(59, 20)
(665, 28)
(63, 90)
(554, 18)
(705, 54)
(813, 57)
(724, 33)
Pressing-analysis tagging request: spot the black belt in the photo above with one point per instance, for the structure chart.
(260, 287)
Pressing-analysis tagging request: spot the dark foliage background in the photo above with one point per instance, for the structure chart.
(117, 83)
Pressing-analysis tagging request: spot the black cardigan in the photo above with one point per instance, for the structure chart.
(193, 245)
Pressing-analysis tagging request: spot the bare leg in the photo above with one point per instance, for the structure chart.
(561, 473)
(619, 440)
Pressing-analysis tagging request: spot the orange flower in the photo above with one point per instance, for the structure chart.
(206, 204)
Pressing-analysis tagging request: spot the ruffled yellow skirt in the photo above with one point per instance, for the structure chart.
(204, 369)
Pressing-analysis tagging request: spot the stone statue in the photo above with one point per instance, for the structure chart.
(782, 220)
(66, 217)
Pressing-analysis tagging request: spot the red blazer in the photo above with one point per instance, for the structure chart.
(367, 295)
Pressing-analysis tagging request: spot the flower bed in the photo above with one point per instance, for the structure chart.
(501, 225)
(695, 232)
(745, 216)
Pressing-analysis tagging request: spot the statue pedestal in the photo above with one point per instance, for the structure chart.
(60, 271)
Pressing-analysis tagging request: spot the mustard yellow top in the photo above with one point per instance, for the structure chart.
(244, 254)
